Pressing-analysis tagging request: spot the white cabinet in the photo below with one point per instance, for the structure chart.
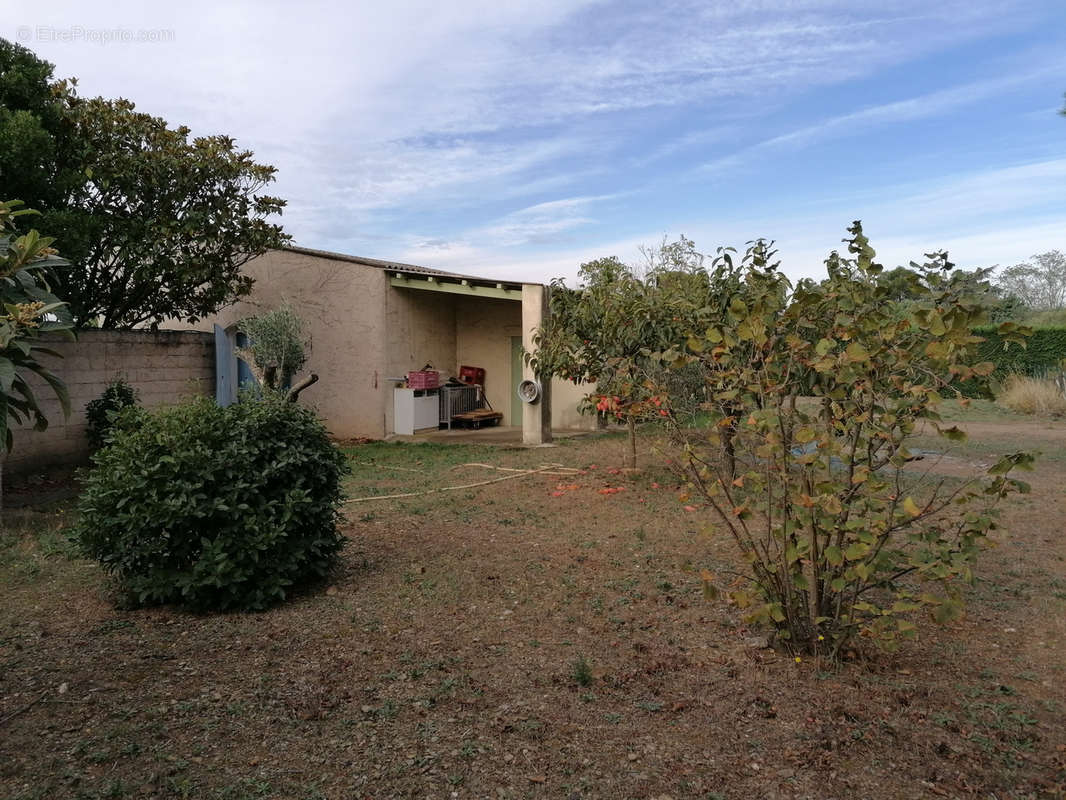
(415, 409)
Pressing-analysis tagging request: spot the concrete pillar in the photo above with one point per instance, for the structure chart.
(536, 417)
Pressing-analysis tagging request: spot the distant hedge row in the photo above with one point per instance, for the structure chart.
(1043, 353)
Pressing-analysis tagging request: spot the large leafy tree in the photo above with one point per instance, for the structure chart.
(31, 129)
(156, 224)
(162, 225)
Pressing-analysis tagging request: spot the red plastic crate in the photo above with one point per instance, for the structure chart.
(423, 379)
(472, 375)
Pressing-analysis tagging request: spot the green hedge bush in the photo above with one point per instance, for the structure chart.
(214, 508)
(1043, 353)
(100, 413)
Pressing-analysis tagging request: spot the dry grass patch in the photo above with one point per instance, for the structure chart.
(536, 638)
(1039, 396)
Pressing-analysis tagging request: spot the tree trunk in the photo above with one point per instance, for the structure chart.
(629, 458)
(294, 392)
(729, 451)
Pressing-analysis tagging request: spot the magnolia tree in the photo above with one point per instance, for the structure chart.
(155, 222)
(813, 393)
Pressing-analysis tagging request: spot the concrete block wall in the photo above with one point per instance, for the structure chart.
(344, 307)
(163, 366)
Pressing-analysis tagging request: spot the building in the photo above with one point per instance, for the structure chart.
(372, 321)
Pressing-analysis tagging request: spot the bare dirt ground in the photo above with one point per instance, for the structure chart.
(538, 637)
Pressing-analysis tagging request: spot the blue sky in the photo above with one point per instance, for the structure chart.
(518, 140)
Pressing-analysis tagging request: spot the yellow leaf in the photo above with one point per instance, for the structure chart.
(831, 503)
(856, 352)
(911, 507)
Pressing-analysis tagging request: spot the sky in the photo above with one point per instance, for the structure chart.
(518, 140)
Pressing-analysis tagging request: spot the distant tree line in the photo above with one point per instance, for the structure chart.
(1029, 291)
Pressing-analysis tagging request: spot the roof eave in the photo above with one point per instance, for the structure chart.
(399, 267)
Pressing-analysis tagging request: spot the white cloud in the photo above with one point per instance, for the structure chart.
(470, 258)
(923, 106)
(981, 217)
(972, 215)
(543, 223)
(410, 128)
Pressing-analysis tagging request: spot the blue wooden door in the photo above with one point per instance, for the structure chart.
(225, 377)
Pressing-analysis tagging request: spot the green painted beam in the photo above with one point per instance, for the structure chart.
(435, 284)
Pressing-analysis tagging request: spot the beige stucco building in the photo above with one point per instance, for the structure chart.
(372, 321)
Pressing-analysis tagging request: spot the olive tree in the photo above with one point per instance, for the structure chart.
(276, 350)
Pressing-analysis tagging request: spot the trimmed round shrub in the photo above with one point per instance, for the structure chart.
(100, 413)
(214, 508)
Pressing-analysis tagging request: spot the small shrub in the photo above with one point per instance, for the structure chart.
(815, 392)
(581, 672)
(214, 508)
(1026, 395)
(100, 413)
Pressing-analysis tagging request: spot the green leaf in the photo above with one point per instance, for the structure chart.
(856, 550)
(856, 352)
(7, 374)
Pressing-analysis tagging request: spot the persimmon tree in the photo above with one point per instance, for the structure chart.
(603, 333)
(814, 392)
